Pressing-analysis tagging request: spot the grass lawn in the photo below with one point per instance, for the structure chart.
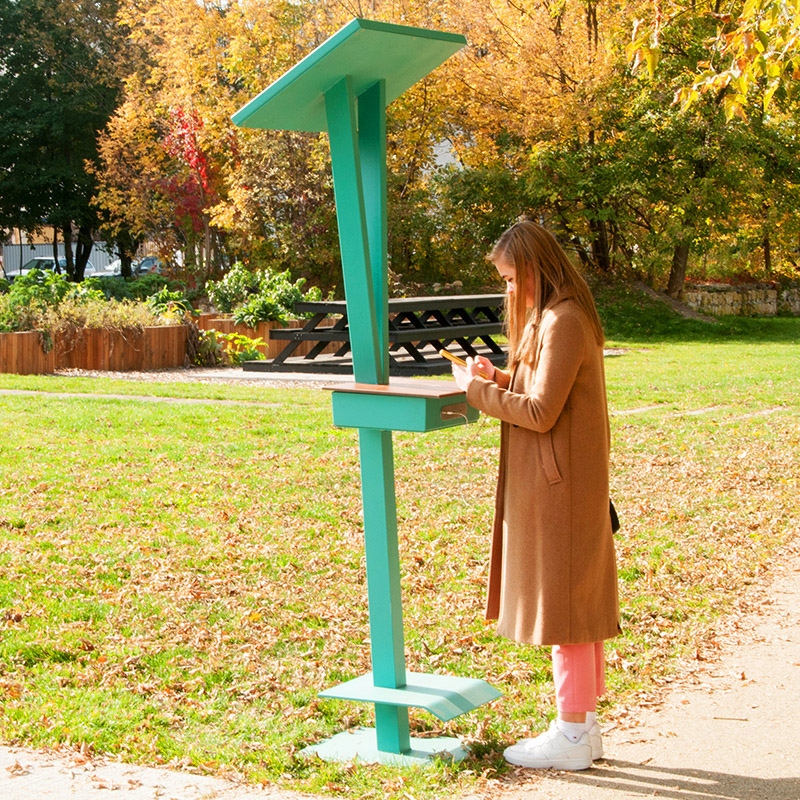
(177, 582)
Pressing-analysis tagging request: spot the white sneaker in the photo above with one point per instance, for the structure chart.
(551, 750)
(596, 741)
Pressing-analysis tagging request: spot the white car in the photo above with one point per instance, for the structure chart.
(45, 263)
(112, 270)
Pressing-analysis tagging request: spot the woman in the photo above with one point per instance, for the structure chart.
(552, 572)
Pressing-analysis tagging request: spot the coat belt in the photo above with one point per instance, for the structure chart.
(549, 458)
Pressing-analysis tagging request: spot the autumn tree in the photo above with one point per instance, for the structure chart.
(534, 77)
(59, 84)
(742, 154)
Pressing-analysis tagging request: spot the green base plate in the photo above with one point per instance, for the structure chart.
(362, 745)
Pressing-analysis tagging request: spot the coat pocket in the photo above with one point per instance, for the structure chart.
(548, 455)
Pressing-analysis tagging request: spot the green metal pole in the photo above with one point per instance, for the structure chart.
(360, 189)
(383, 584)
(372, 147)
(340, 108)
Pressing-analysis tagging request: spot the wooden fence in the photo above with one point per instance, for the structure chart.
(158, 347)
(104, 349)
(24, 354)
(272, 347)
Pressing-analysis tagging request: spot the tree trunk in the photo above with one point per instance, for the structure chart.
(125, 264)
(66, 232)
(600, 251)
(83, 248)
(57, 268)
(677, 274)
(767, 256)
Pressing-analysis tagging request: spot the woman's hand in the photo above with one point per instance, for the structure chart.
(463, 376)
(485, 366)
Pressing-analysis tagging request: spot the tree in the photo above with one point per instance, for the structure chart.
(59, 84)
(200, 61)
(753, 47)
(745, 165)
(531, 86)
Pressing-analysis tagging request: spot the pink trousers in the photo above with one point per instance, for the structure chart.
(579, 673)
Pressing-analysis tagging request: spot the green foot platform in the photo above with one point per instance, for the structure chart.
(444, 696)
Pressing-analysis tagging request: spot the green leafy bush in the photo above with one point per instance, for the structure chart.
(210, 350)
(168, 303)
(239, 348)
(258, 309)
(47, 301)
(234, 289)
(258, 296)
(116, 288)
(216, 348)
(33, 295)
(95, 312)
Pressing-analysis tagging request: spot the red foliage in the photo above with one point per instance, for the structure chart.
(182, 143)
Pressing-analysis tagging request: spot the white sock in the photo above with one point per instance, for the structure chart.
(572, 730)
(591, 718)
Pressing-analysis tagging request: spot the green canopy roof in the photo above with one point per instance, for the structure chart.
(365, 50)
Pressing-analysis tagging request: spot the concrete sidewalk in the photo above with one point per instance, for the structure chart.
(732, 731)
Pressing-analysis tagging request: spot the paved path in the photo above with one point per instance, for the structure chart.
(732, 732)
(30, 775)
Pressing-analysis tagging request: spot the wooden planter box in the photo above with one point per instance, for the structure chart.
(23, 353)
(159, 347)
(272, 346)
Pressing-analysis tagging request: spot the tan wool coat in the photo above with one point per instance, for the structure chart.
(552, 569)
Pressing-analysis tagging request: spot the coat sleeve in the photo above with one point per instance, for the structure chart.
(563, 346)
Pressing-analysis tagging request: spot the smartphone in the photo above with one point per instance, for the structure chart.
(454, 359)
(460, 362)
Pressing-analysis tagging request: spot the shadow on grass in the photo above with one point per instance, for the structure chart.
(630, 315)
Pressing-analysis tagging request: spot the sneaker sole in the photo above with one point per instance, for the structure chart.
(569, 765)
(597, 747)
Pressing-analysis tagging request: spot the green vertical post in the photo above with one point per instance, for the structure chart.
(359, 178)
(358, 156)
(383, 584)
(348, 189)
(372, 145)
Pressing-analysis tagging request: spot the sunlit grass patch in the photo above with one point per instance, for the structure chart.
(178, 582)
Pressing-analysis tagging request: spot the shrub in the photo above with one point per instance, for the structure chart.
(257, 310)
(209, 349)
(115, 288)
(32, 296)
(258, 296)
(172, 304)
(215, 348)
(239, 348)
(234, 288)
(47, 301)
(95, 312)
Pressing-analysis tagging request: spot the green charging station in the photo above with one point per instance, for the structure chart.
(343, 87)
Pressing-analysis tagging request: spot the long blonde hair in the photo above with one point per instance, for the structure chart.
(539, 261)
